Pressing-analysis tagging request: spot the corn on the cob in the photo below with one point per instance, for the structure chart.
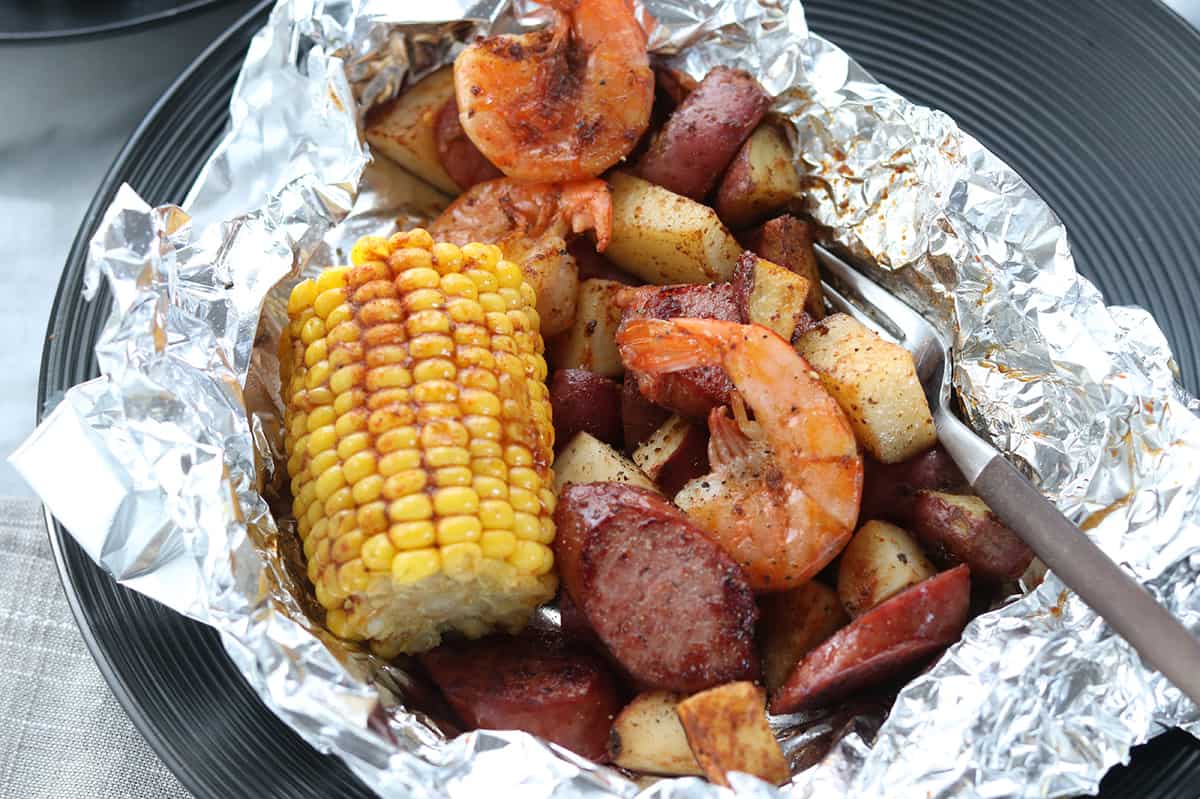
(419, 442)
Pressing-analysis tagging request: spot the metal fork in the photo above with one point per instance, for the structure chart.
(1162, 641)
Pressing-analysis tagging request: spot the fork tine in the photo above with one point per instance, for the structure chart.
(841, 303)
(888, 312)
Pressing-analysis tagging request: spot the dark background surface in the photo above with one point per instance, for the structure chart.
(40, 20)
(1095, 103)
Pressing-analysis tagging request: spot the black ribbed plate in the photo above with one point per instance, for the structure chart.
(1096, 104)
(43, 20)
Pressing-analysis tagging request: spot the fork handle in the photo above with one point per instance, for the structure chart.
(1162, 641)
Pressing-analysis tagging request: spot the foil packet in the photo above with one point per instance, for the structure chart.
(174, 448)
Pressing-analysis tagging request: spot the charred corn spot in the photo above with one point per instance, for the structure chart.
(418, 442)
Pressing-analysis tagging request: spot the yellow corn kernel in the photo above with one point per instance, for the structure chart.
(434, 369)
(397, 438)
(497, 544)
(338, 623)
(409, 567)
(487, 447)
(490, 487)
(327, 300)
(321, 439)
(399, 461)
(358, 466)
(344, 332)
(527, 527)
(317, 351)
(461, 561)
(378, 289)
(447, 258)
(435, 391)
(372, 518)
(496, 514)
(352, 577)
(453, 476)
(401, 484)
(478, 402)
(524, 501)
(326, 460)
(530, 557)
(411, 508)
(517, 455)
(368, 489)
(352, 421)
(456, 529)
(444, 433)
(347, 546)
(332, 278)
(490, 301)
(454, 500)
(418, 278)
(352, 445)
(464, 310)
(438, 457)
(547, 530)
(312, 330)
(508, 275)
(302, 297)
(490, 467)
(347, 378)
(548, 500)
(342, 499)
(412, 535)
(427, 322)
(524, 477)
(377, 553)
(348, 401)
(424, 301)
(431, 345)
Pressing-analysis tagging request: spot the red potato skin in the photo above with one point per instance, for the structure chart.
(583, 400)
(705, 132)
(672, 86)
(461, 159)
(953, 535)
(639, 416)
(691, 392)
(890, 489)
(530, 683)
(637, 568)
(788, 241)
(883, 642)
(688, 462)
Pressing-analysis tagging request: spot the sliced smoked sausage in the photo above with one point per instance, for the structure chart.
(673, 609)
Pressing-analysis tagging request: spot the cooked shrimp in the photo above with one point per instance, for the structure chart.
(562, 103)
(530, 222)
(783, 495)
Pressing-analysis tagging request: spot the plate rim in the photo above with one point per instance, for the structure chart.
(116, 683)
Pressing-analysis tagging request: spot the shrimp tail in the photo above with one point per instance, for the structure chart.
(726, 441)
(588, 204)
(658, 346)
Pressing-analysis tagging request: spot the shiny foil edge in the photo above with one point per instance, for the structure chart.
(181, 342)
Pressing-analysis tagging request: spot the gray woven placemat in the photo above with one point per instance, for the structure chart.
(62, 734)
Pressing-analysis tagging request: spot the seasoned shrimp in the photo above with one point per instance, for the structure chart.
(530, 222)
(562, 103)
(783, 495)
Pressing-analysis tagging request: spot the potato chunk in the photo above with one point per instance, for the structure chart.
(647, 736)
(775, 297)
(761, 181)
(793, 623)
(665, 238)
(591, 341)
(404, 129)
(587, 459)
(880, 561)
(727, 730)
(674, 454)
(875, 382)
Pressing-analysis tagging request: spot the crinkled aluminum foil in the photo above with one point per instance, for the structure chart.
(169, 472)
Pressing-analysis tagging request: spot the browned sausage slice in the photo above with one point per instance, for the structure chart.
(705, 132)
(461, 159)
(529, 683)
(675, 611)
(583, 400)
(639, 416)
(881, 643)
(890, 489)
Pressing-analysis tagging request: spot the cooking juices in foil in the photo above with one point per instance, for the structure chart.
(171, 466)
